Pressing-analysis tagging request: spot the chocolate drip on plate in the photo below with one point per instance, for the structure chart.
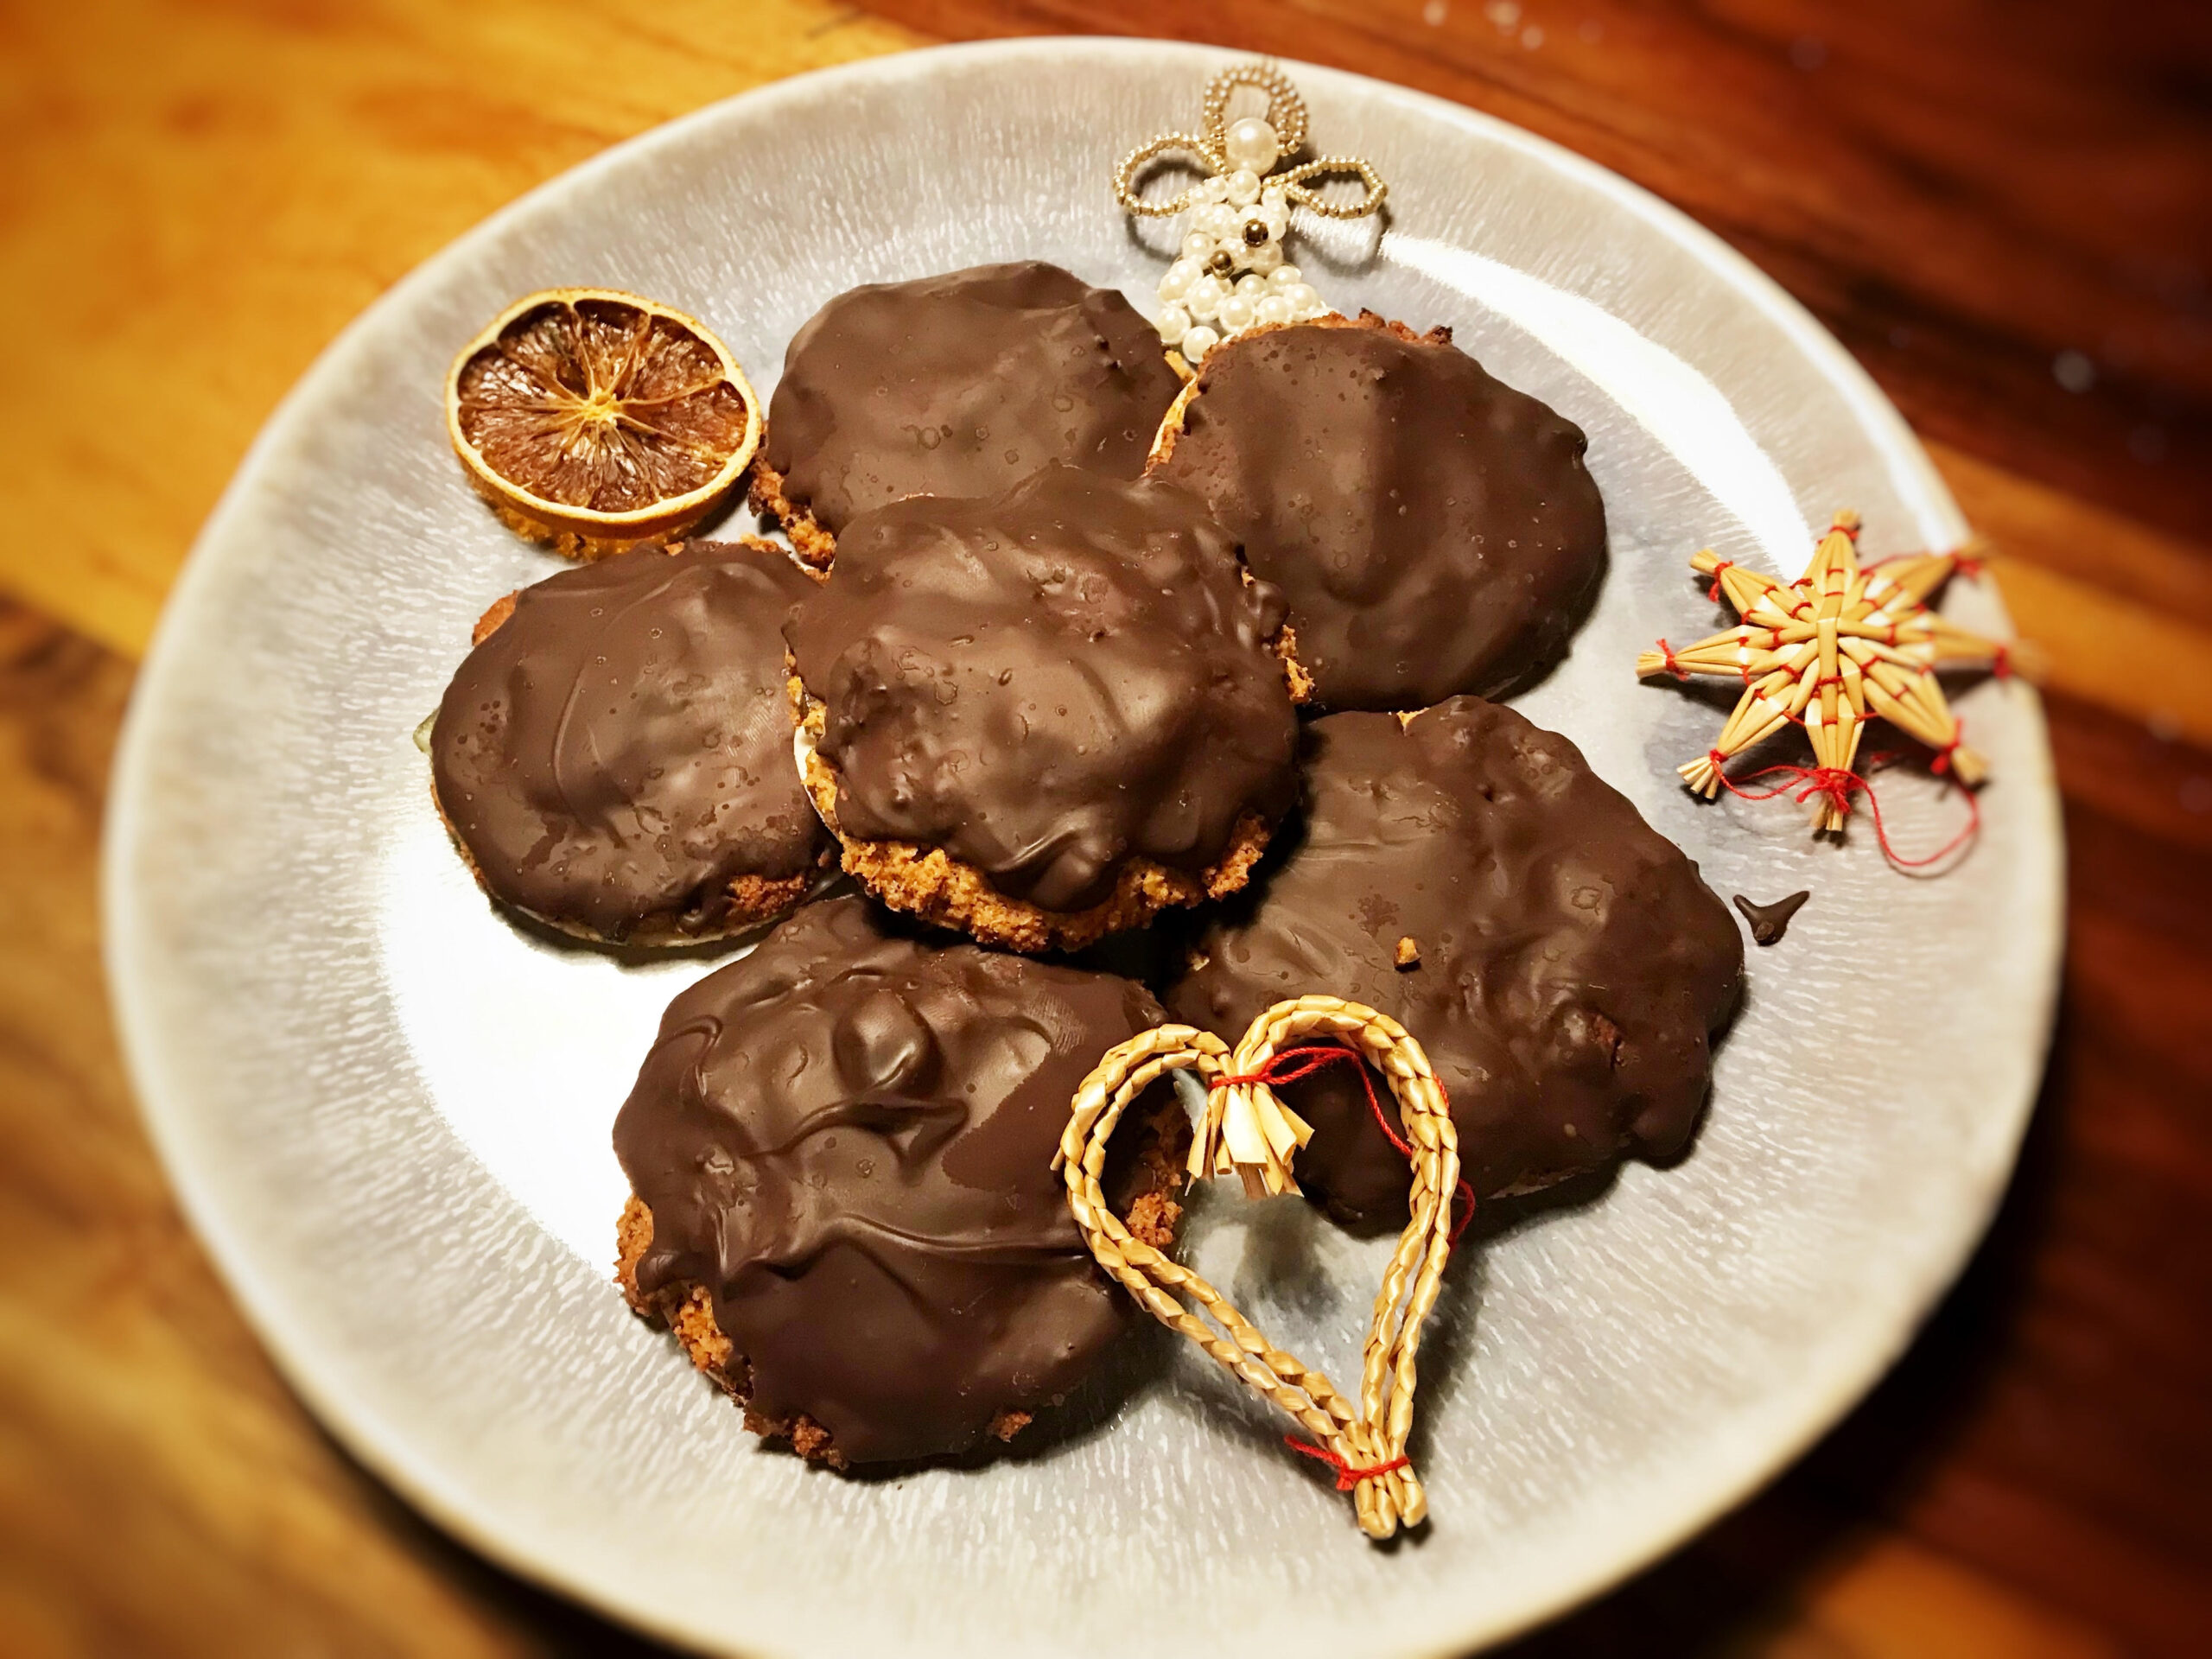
(1770, 922)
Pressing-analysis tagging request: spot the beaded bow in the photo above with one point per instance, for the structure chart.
(1231, 275)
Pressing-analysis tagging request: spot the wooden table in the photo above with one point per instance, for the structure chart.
(2004, 209)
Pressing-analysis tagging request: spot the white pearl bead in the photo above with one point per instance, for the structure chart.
(1251, 287)
(1277, 220)
(1203, 297)
(1252, 143)
(1214, 189)
(1284, 276)
(1243, 186)
(1301, 296)
(1274, 195)
(1178, 278)
(1236, 314)
(1197, 246)
(1266, 258)
(1318, 308)
(1175, 322)
(1196, 344)
(1216, 220)
(1274, 308)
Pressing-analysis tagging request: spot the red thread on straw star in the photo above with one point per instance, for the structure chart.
(1837, 787)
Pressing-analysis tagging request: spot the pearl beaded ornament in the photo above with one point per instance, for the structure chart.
(1231, 275)
(1230, 259)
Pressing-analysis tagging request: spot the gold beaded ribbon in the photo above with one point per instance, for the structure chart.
(1208, 148)
(1364, 1443)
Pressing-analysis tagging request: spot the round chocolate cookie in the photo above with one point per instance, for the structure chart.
(1433, 530)
(1043, 717)
(614, 757)
(841, 1152)
(955, 385)
(1468, 874)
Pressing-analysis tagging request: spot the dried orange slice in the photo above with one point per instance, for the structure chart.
(596, 420)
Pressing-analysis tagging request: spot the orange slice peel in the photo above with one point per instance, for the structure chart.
(596, 420)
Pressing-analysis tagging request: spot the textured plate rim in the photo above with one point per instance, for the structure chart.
(385, 1448)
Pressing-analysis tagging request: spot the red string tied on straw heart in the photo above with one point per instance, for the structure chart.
(1291, 1065)
(1348, 1476)
(1294, 1064)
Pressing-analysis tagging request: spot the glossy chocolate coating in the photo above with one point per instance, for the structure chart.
(1571, 963)
(1433, 530)
(847, 1138)
(961, 383)
(1049, 681)
(619, 751)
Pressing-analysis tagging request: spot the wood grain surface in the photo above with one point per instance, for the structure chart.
(2006, 210)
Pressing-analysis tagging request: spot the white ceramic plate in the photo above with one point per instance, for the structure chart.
(387, 1112)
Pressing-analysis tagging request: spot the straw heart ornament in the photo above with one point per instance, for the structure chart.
(1230, 275)
(1843, 644)
(1247, 1131)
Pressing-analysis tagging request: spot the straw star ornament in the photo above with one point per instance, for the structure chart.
(1841, 645)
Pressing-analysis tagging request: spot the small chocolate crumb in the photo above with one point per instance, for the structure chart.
(1770, 922)
(1408, 952)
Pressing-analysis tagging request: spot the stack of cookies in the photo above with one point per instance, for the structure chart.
(1072, 648)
